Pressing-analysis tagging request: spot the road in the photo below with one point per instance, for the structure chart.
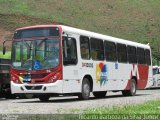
(72, 104)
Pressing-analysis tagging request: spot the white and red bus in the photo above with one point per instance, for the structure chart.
(56, 60)
(156, 76)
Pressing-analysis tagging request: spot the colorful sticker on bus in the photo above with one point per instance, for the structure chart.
(25, 77)
(101, 73)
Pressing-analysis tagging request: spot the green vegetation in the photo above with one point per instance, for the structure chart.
(151, 107)
(6, 56)
(137, 20)
(149, 110)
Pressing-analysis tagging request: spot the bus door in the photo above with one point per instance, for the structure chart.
(71, 81)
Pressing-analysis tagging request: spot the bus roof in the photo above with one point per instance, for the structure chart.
(101, 36)
(90, 34)
(37, 26)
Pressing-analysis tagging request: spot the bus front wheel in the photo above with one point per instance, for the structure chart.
(86, 89)
(132, 90)
(43, 97)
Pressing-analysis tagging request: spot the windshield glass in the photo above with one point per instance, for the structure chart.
(35, 54)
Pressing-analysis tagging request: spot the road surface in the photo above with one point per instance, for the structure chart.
(72, 104)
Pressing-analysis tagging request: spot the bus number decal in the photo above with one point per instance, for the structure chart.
(87, 65)
(101, 73)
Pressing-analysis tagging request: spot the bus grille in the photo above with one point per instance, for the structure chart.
(34, 76)
(34, 87)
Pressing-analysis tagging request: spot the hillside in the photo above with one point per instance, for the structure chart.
(137, 20)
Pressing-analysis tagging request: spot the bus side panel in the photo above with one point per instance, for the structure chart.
(71, 80)
(143, 75)
(150, 78)
(115, 77)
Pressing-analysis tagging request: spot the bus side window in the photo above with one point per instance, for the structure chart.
(110, 51)
(141, 56)
(69, 51)
(84, 46)
(97, 49)
(132, 54)
(147, 57)
(121, 53)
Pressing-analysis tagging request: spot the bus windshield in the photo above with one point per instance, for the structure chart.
(36, 54)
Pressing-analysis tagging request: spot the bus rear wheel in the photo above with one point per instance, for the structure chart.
(44, 98)
(86, 89)
(100, 94)
(132, 91)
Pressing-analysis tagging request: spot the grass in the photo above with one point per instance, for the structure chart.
(148, 111)
(151, 107)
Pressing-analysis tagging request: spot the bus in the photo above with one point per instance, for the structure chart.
(51, 60)
(156, 76)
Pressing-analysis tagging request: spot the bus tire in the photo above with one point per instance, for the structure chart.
(25, 96)
(132, 91)
(8, 95)
(86, 89)
(44, 98)
(100, 94)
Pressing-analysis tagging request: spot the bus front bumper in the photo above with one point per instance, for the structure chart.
(37, 88)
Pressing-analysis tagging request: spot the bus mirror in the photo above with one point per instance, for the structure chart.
(4, 50)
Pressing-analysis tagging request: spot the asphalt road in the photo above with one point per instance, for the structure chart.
(72, 104)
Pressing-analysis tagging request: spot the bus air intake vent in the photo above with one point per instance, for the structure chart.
(34, 87)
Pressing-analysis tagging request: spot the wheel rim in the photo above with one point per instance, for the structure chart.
(86, 89)
(133, 87)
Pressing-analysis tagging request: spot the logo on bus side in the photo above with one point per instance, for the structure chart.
(135, 71)
(101, 74)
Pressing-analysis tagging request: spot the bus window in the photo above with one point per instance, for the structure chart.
(121, 53)
(84, 46)
(69, 51)
(110, 51)
(97, 49)
(140, 55)
(147, 57)
(132, 54)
